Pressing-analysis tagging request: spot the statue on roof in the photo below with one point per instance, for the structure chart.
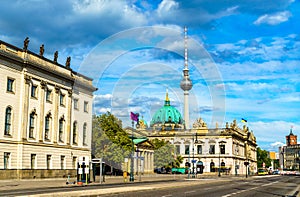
(233, 125)
(26, 42)
(55, 56)
(68, 62)
(199, 123)
(42, 50)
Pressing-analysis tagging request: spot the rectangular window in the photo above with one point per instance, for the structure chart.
(6, 160)
(48, 162)
(61, 130)
(10, 85)
(76, 104)
(62, 162)
(177, 149)
(8, 114)
(47, 127)
(187, 149)
(48, 95)
(31, 125)
(62, 99)
(84, 134)
(212, 149)
(34, 91)
(75, 132)
(86, 106)
(33, 161)
(222, 148)
(199, 149)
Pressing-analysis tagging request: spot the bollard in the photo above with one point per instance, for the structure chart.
(125, 176)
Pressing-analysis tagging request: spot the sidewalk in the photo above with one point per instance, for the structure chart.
(60, 182)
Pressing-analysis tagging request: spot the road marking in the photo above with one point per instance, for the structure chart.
(235, 193)
(167, 195)
(190, 192)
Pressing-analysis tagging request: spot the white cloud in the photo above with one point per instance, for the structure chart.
(270, 135)
(277, 144)
(273, 19)
(166, 6)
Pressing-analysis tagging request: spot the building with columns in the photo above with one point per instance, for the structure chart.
(229, 149)
(46, 115)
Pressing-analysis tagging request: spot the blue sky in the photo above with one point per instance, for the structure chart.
(243, 55)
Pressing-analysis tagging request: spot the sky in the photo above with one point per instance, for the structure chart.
(243, 56)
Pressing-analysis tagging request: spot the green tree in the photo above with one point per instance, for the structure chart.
(157, 143)
(163, 156)
(163, 153)
(109, 140)
(113, 129)
(263, 157)
(176, 163)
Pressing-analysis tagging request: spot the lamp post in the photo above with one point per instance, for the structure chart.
(246, 163)
(194, 142)
(131, 178)
(220, 144)
(134, 117)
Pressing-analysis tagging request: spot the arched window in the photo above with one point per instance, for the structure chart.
(75, 132)
(61, 129)
(84, 134)
(47, 127)
(8, 116)
(31, 124)
(212, 167)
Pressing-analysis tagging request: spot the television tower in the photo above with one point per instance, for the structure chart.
(186, 83)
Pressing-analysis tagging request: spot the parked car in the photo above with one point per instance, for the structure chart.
(262, 172)
(275, 172)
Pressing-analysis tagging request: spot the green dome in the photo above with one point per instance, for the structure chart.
(167, 114)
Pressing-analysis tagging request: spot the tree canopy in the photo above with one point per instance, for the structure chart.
(109, 140)
(263, 157)
(164, 155)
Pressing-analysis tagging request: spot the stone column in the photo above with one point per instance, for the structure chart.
(55, 112)
(26, 106)
(69, 119)
(146, 155)
(151, 162)
(42, 110)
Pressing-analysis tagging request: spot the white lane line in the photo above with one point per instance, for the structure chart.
(190, 192)
(234, 193)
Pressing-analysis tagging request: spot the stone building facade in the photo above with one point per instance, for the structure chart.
(45, 115)
(289, 154)
(227, 149)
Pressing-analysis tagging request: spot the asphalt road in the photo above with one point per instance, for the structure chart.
(224, 187)
(282, 186)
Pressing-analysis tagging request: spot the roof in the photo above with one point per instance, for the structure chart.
(167, 114)
(139, 140)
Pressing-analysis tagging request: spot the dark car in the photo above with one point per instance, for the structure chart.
(275, 172)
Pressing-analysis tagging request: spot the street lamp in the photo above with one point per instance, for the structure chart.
(131, 178)
(194, 142)
(246, 163)
(221, 143)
